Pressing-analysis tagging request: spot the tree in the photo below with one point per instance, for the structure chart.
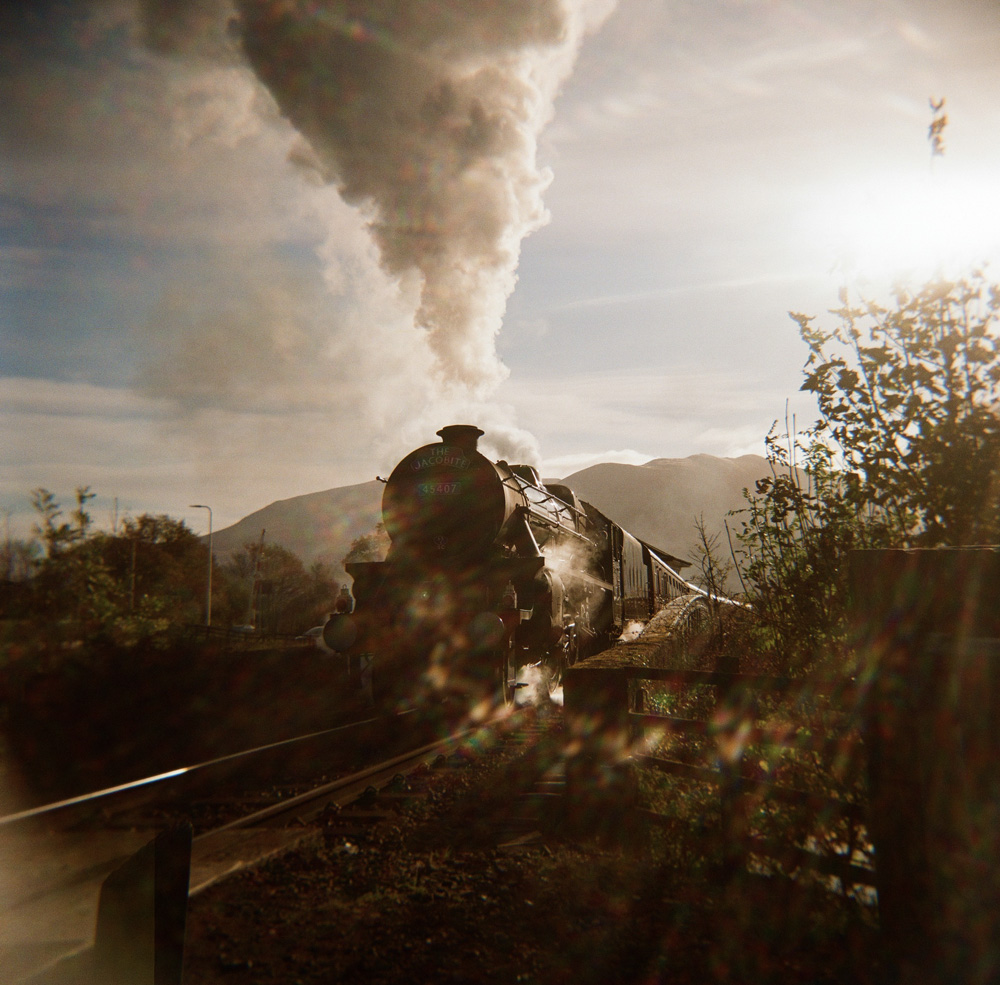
(713, 571)
(282, 588)
(372, 546)
(58, 536)
(796, 531)
(160, 564)
(19, 559)
(289, 598)
(908, 400)
(73, 590)
(101, 589)
(905, 452)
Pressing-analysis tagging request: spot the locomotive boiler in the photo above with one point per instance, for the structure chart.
(489, 570)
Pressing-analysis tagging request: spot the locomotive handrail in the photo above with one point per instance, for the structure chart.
(559, 506)
(549, 522)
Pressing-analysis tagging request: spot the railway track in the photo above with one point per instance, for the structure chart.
(54, 860)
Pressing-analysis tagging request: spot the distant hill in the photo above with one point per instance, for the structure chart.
(657, 502)
(317, 527)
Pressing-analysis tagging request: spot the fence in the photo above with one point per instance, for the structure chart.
(912, 755)
(750, 737)
(927, 628)
(240, 638)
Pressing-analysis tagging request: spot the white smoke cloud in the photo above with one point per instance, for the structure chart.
(426, 119)
(429, 122)
(311, 221)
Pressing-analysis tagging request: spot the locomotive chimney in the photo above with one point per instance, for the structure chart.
(465, 436)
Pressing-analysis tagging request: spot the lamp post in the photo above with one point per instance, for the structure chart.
(208, 593)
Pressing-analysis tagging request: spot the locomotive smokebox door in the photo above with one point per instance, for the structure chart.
(445, 501)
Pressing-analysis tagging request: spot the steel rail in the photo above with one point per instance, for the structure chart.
(68, 905)
(344, 784)
(96, 795)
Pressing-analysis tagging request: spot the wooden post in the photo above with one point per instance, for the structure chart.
(733, 802)
(927, 624)
(142, 914)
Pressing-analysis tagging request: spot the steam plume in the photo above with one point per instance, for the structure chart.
(196, 130)
(426, 115)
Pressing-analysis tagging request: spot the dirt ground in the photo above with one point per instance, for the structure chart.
(428, 897)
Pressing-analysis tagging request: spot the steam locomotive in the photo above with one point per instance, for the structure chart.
(490, 570)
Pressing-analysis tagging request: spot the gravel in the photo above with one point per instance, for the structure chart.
(427, 896)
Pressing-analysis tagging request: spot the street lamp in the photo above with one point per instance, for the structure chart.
(208, 593)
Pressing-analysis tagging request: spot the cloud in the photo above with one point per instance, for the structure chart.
(39, 397)
(562, 465)
(139, 451)
(64, 435)
(673, 290)
(667, 414)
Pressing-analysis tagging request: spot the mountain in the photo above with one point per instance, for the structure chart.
(660, 501)
(657, 502)
(317, 527)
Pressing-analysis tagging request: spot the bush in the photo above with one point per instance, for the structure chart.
(905, 452)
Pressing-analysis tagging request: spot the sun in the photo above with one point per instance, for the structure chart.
(894, 226)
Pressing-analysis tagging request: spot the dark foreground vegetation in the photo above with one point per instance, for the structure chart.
(427, 896)
(97, 719)
(107, 672)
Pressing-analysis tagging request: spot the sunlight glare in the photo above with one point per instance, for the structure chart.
(894, 227)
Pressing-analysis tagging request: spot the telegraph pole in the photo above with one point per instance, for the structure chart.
(208, 591)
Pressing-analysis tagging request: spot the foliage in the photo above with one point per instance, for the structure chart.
(713, 570)
(145, 583)
(110, 589)
(797, 530)
(267, 586)
(908, 398)
(906, 452)
(56, 536)
(18, 560)
(369, 547)
(159, 564)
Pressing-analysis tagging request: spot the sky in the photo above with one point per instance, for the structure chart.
(252, 249)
